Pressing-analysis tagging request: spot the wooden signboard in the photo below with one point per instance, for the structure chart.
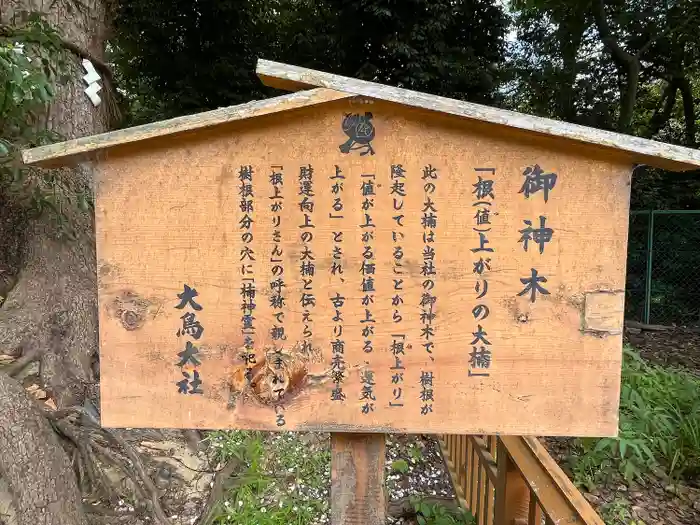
(360, 266)
(345, 263)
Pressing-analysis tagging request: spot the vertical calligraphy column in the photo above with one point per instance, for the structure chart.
(428, 272)
(368, 271)
(189, 361)
(277, 299)
(398, 337)
(480, 357)
(247, 258)
(338, 301)
(536, 180)
(307, 266)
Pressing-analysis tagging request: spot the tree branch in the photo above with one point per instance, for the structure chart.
(646, 46)
(626, 61)
(618, 53)
(668, 100)
(688, 111)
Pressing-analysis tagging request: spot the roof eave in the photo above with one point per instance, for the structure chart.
(81, 149)
(638, 150)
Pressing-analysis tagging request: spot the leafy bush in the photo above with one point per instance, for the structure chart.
(436, 514)
(33, 62)
(659, 427)
(400, 465)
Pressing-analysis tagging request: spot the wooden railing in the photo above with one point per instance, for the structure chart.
(512, 480)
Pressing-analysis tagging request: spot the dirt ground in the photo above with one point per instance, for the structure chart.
(659, 500)
(679, 347)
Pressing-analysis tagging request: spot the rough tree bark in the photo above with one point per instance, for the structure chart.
(50, 313)
(32, 458)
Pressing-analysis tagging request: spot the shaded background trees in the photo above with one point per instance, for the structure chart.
(176, 59)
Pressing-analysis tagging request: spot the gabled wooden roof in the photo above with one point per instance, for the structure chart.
(653, 153)
(76, 150)
(319, 87)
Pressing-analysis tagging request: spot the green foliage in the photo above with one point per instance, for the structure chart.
(435, 514)
(283, 481)
(556, 55)
(30, 60)
(415, 453)
(400, 465)
(190, 57)
(659, 427)
(559, 44)
(32, 63)
(616, 512)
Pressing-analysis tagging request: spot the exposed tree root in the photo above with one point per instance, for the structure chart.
(33, 464)
(193, 437)
(28, 356)
(99, 449)
(141, 471)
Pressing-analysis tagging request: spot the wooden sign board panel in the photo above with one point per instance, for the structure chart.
(358, 266)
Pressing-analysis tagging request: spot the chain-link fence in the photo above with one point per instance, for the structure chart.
(663, 267)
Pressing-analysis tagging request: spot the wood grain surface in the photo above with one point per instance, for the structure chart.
(358, 495)
(169, 214)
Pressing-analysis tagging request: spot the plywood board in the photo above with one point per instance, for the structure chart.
(447, 324)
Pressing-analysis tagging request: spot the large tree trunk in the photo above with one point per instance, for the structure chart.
(52, 309)
(31, 458)
(569, 34)
(51, 312)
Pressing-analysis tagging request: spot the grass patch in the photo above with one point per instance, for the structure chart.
(284, 480)
(659, 428)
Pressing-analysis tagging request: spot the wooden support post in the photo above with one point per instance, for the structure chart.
(357, 479)
(512, 493)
